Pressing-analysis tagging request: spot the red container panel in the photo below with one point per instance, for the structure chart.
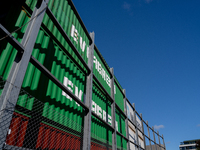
(17, 130)
(95, 146)
(46, 139)
(40, 136)
(52, 138)
(58, 140)
(63, 142)
(22, 133)
(14, 128)
(68, 142)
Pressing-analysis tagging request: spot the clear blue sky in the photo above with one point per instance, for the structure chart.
(154, 47)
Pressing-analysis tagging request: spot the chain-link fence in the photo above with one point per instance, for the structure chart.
(99, 143)
(38, 125)
(67, 114)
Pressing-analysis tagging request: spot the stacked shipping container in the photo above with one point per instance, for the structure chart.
(56, 121)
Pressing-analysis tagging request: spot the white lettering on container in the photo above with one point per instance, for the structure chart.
(116, 125)
(98, 66)
(101, 71)
(82, 44)
(106, 117)
(99, 111)
(75, 36)
(110, 119)
(69, 85)
(94, 107)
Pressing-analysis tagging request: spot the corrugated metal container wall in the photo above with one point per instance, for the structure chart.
(121, 143)
(64, 70)
(132, 136)
(101, 72)
(67, 18)
(48, 53)
(120, 120)
(53, 57)
(19, 17)
(102, 107)
(50, 138)
(119, 97)
(124, 142)
(31, 4)
(17, 130)
(130, 113)
(120, 127)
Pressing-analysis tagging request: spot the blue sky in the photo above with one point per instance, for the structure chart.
(154, 47)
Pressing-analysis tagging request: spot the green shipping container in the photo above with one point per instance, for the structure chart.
(55, 105)
(56, 102)
(119, 97)
(102, 107)
(68, 18)
(100, 71)
(7, 52)
(120, 127)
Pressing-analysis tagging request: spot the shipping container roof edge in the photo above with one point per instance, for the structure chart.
(103, 60)
(82, 24)
(119, 85)
(81, 21)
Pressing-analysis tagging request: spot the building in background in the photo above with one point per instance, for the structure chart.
(189, 145)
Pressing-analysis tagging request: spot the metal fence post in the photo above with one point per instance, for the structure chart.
(136, 127)
(154, 138)
(149, 135)
(114, 142)
(143, 131)
(126, 121)
(163, 142)
(13, 84)
(88, 99)
(159, 141)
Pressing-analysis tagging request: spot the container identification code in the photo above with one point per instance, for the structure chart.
(95, 108)
(98, 66)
